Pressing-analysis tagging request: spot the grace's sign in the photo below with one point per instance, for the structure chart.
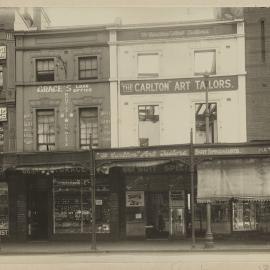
(174, 86)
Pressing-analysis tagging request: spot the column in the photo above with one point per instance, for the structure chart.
(209, 236)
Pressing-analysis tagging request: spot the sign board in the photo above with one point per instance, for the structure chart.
(99, 202)
(134, 198)
(177, 86)
(3, 114)
(3, 52)
(177, 32)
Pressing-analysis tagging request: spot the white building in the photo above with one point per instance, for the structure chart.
(158, 88)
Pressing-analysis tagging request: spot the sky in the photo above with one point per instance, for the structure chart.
(62, 16)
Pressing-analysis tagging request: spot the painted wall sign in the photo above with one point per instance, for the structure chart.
(3, 52)
(65, 88)
(177, 32)
(224, 151)
(141, 154)
(174, 86)
(3, 114)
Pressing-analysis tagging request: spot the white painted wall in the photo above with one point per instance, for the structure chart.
(177, 111)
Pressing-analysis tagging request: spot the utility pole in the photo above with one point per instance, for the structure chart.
(209, 235)
(93, 193)
(191, 168)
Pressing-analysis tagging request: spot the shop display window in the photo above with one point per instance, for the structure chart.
(220, 212)
(4, 224)
(244, 216)
(72, 207)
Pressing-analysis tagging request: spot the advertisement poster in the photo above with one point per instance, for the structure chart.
(134, 198)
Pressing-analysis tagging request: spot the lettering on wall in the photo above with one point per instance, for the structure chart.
(175, 86)
(67, 88)
(105, 122)
(67, 113)
(27, 129)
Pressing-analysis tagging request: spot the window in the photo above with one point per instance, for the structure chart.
(4, 216)
(244, 216)
(200, 127)
(88, 125)
(1, 76)
(149, 126)
(45, 70)
(45, 130)
(72, 206)
(205, 62)
(88, 68)
(148, 64)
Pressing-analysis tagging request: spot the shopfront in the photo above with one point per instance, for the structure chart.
(239, 195)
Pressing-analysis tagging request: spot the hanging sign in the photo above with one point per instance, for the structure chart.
(3, 52)
(3, 114)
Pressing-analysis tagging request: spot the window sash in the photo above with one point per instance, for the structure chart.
(88, 124)
(45, 69)
(88, 67)
(205, 62)
(200, 128)
(45, 130)
(149, 125)
(148, 64)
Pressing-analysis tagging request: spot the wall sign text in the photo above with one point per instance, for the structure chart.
(174, 86)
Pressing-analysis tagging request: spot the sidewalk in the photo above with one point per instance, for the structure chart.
(61, 247)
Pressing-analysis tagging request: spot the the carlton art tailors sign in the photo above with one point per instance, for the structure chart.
(174, 86)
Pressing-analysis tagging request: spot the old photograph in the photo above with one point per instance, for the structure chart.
(134, 137)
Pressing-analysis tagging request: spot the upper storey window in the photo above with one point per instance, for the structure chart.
(205, 62)
(88, 67)
(148, 64)
(45, 70)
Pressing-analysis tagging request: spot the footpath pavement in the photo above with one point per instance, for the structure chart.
(147, 246)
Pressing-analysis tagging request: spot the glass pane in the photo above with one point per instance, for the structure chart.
(205, 62)
(148, 63)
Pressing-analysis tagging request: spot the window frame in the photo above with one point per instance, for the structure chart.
(156, 104)
(217, 120)
(150, 74)
(194, 59)
(37, 71)
(79, 125)
(97, 68)
(37, 134)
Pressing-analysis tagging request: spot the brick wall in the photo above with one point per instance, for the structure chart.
(258, 74)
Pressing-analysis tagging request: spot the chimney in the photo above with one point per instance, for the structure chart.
(37, 18)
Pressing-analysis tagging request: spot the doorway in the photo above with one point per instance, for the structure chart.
(38, 211)
(157, 215)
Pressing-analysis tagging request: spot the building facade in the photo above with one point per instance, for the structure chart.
(161, 75)
(140, 91)
(257, 67)
(63, 95)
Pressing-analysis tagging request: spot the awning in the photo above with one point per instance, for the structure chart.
(50, 168)
(105, 168)
(243, 179)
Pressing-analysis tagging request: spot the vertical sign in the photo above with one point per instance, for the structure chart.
(3, 114)
(3, 52)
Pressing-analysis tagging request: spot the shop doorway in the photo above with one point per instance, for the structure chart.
(157, 215)
(37, 212)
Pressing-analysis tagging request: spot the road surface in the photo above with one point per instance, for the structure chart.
(139, 261)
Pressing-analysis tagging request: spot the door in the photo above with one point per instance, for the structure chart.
(38, 214)
(157, 215)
